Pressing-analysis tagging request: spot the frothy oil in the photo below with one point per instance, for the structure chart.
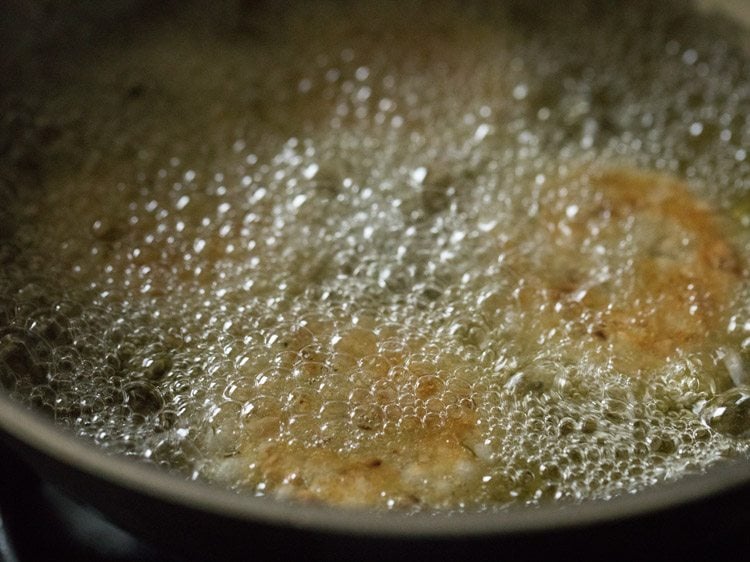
(462, 257)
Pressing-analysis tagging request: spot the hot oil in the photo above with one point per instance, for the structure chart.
(377, 256)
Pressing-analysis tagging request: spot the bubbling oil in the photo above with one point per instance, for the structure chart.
(371, 255)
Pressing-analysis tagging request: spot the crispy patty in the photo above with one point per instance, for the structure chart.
(667, 296)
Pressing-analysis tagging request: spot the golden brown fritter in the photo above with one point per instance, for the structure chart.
(637, 264)
(676, 272)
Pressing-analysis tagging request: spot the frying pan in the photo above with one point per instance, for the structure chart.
(204, 522)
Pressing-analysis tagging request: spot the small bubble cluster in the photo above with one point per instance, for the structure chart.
(390, 257)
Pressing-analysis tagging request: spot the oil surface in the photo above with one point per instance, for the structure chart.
(461, 256)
